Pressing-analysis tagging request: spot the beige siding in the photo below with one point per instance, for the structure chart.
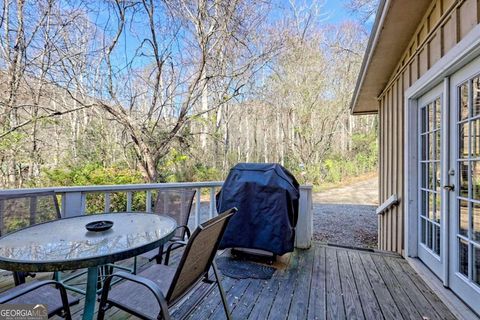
(444, 25)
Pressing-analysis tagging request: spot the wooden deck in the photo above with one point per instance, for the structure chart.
(324, 282)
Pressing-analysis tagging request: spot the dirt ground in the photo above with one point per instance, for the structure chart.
(346, 215)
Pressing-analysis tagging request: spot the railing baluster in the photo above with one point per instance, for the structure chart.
(197, 207)
(212, 211)
(107, 203)
(73, 204)
(83, 203)
(129, 201)
(148, 202)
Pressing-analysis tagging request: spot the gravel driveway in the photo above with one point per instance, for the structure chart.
(346, 215)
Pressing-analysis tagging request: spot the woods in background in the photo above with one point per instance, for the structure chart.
(178, 90)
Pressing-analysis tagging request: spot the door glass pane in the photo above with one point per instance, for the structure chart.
(438, 208)
(436, 237)
(424, 150)
(475, 139)
(424, 121)
(463, 257)
(438, 149)
(438, 115)
(431, 176)
(438, 181)
(424, 206)
(463, 218)
(431, 117)
(476, 96)
(476, 265)
(475, 169)
(463, 140)
(463, 192)
(429, 234)
(431, 205)
(423, 231)
(431, 143)
(476, 222)
(464, 101)
(424, 175)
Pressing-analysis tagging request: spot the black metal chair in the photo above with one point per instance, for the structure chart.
(175, 203)
(47, 292)
(149, 294)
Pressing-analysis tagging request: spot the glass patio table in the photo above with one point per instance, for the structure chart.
(66, 244)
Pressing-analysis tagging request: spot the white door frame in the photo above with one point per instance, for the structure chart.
(462, 53)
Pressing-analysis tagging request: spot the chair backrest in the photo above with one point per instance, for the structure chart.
(175, 203)
(25, 209)
(198, 255)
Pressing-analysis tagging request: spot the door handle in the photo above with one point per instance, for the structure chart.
(449, 187)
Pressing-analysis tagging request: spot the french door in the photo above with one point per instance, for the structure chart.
(449, 182)
(464, 235)
(430, 184)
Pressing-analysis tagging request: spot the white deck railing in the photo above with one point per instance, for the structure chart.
(74, 201)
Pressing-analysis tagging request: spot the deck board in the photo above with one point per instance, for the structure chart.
(368, 300)
(301, 294)
(335, 305)
(385, 300)
(351, 298)
(317, 302)
(402, 300)
(324, 282)
(282, 301)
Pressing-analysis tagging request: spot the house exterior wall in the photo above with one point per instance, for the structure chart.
(445, 23)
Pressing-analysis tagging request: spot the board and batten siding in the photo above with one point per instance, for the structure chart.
(445, 23)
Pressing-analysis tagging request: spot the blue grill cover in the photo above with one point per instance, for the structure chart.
(266, 196)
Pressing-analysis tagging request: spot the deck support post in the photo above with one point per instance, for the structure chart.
(304, 228)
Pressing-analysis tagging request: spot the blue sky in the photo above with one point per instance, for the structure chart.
(336, 11)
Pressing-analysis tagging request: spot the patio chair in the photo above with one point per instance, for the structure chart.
(47, 292)
(20, 210)
(152, 292)
(175, 203)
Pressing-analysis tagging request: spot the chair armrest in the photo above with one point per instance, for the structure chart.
(36, 285)
(28, 288)
(178, 244)
(187, 230)
(150, 285)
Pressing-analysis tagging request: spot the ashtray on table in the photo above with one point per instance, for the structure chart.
(97, 226)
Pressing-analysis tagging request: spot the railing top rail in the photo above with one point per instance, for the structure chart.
(306, 186)
(117, 187)
(124, 187)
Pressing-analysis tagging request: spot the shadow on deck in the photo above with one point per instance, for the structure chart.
(324, 282)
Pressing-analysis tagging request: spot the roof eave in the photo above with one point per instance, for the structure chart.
(379, 18)
(395, 24)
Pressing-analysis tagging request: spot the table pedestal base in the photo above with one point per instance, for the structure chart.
(91, 294)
